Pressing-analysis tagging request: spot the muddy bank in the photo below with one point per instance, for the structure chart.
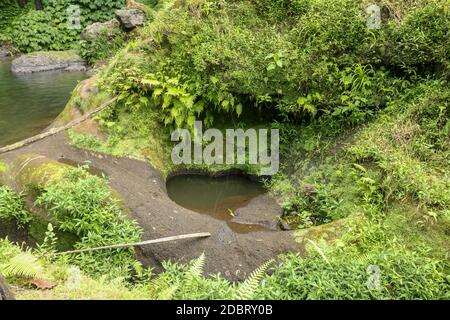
(143, 190)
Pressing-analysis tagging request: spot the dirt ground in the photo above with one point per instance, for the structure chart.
(143, 189)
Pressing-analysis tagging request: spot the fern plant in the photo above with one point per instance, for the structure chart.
(47, 249)
(197, 266)
(23, 265)
(248, 288)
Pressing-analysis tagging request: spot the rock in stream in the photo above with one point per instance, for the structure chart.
(48, 61)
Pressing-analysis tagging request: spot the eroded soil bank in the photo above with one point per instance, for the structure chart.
(143, 190)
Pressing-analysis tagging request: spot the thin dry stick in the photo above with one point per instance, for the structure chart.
(160, 240)
(54, 131)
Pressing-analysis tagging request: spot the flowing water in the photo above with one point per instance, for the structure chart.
(30, 102)
(217, 197)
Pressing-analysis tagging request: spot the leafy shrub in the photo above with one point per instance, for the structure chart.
(403, 275)
(9, 10)
(12, 206)
(85, 205)
(411, 147)
(410, 44)
(34, 30)
(102, 46)
(294, 60)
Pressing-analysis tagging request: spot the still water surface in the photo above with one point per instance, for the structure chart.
(30, 102)
(217, 197)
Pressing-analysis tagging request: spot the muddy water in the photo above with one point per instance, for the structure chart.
(30, 102)
(216, 197)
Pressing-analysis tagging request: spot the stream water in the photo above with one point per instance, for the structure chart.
(217, 197)
(30, 102)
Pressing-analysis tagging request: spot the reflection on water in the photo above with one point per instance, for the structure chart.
(30, 102)
(217, 197)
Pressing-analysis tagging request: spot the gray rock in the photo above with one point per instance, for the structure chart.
(76, 68)
(4, 52)
(131, 18)
(262, 210)
(284, 226)
(48, 61)
(97, 28)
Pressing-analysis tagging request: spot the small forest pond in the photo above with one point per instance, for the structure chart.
(217, 197)
(30, 102)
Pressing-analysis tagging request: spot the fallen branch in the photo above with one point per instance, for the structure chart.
(160, 240)
(54, 131)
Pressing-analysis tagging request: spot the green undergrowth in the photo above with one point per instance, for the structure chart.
(402, 155)
(396, 256)
(364, 123)
(31, 30)
(83, 208)
(391, 257)
(103, 46)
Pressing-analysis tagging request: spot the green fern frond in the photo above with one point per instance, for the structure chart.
(196, 269)
(158, 283)
(168, 293)
(319, 251)
(363, 258)
(247, 289)
(22, 265)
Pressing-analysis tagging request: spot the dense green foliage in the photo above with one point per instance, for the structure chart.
(405, 274)
(33, 30)
(85, 206)
(401, 156)
(8, 11)
(12, 206)
(103, 46)
(363, 126)
(200, 59)
(364, 120)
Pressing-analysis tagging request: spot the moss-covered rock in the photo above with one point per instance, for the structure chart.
(48, 61)
(33, 171)
(97, 29)
(86, 97)
(30, 173)
(325, 232)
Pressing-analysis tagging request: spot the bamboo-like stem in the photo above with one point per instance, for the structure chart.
(54, 131)
(125, 245)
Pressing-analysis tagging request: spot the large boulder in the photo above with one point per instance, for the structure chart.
(48, 61)
(131, 18)
(94, 30)
(85, 97)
